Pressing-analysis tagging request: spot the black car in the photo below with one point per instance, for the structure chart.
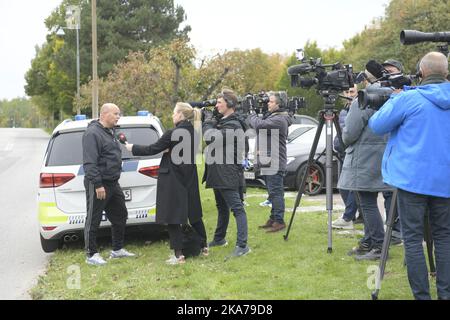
(299, 145)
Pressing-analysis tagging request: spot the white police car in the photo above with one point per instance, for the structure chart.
(62, 197)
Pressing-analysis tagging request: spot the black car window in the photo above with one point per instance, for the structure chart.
(297, 133)
(66, 148)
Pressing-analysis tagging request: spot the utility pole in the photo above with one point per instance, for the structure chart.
(94, 61)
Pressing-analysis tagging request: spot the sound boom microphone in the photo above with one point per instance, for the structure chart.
(375, 69)
(299, 69)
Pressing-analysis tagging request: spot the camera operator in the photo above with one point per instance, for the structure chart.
(417, 162)
(348, 196)
(361, 172)
(276, 123)
(224, 172)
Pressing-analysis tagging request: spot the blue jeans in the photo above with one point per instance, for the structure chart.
(412, 208)
(275, 188)
(351, 207)
(373, 223)
(227, 199)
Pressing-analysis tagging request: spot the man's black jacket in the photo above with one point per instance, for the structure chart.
(102, 157)
(228, 173)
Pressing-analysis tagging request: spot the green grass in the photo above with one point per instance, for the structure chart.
(299, 268)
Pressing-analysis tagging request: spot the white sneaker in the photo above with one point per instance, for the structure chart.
(96, 260)
(266, 203)
(122, 253)
(174, 260)
(340, 223)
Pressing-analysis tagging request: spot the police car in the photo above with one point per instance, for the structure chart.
(62, 197)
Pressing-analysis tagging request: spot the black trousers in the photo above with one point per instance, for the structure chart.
(176, 235)
(115, 210)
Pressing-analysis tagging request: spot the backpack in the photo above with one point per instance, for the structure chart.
(191, 241)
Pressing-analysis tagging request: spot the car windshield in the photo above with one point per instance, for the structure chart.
(297, 133)
(66, 148)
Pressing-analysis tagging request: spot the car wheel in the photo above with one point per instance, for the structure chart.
(315, 180)
(50, 245)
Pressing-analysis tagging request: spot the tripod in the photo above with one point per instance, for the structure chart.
(387, 240)
(328, 117)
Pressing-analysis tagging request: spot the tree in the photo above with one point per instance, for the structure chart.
(381, 39)
(19, 112)
(123, 26)
(153, 80)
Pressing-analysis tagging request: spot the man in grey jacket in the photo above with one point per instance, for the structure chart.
(271, 155)
(361, 172)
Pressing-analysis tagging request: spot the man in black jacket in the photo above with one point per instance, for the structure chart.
(226, 145)
(102, 161)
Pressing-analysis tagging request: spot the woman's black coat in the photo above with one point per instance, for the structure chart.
(178, 197)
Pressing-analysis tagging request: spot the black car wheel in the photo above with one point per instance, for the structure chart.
(315, 180)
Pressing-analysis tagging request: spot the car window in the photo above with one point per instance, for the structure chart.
(66, 149)
(302, 119)
(297, 133)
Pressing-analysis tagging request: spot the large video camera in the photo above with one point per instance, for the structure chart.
(255, 103)
(376, 95)
(204, 104)
(340, 78)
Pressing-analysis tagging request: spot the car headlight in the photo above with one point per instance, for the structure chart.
(289, 160)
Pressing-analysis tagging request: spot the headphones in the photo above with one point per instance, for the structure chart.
(230, 102)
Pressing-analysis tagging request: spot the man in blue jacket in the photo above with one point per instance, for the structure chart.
(417, 162)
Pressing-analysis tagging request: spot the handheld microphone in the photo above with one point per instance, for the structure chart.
(122, 138)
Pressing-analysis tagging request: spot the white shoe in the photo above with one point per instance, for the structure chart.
(174, 260)
(266, 203)
(122, 253)
(340, 223)
(96, 260)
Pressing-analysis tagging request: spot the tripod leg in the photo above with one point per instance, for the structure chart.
(386, 243)
(301, 188)
(429, 242)
(329, 176)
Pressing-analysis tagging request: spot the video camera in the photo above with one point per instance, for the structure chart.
(374, 97)
(204, 104)
(257, 103)
(296, 103)
(340, 78)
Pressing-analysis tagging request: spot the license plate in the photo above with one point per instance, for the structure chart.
(249, 175)
(127, 194)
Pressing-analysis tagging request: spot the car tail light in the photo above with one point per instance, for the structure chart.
(54, 180)
(48, 228)
(151, 172)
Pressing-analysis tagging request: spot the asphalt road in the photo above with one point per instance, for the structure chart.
(21, 256)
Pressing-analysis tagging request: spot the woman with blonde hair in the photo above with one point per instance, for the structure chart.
(178, 196)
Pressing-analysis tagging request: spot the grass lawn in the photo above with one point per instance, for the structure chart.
(299, 268)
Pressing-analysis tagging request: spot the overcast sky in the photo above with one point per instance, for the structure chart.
(217, 25)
